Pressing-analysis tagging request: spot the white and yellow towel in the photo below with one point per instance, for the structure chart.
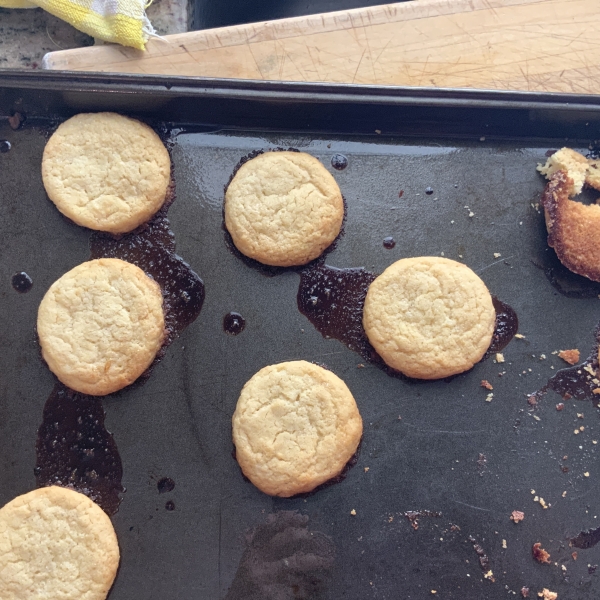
(120, 21)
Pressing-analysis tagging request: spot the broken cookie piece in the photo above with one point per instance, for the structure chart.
(540, 554)
(567, 160)
(573, 228)
(570, 356)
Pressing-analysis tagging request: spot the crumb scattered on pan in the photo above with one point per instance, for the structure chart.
(574, 555)
(504, 544)
(490, 575)
(525, 592)
(519, 336)
(569, 356)
(486, 384)
(541, 501)
(540, 554)
(499, 357)
(366, 469)
(353, 512)
(489, 397)
(517, 516)
(560, 406)
(586, 474)
(546, 594)
(497, 255)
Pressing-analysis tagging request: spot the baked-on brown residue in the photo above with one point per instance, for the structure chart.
(573, 228)
(540, 554)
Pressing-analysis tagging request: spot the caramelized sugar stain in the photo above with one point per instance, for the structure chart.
(75, 450)
(21, 282)
(586, 539)
(233, 323)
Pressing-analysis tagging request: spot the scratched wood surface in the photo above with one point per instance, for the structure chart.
(538, 45)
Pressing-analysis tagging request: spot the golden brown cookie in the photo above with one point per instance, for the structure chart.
(100, 325)
(106, 171)
(56, 544)
(296, 425)
(429, 317)
(283, 208)
(573, 228)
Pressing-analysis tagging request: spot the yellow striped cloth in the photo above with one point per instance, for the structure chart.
(120, 21)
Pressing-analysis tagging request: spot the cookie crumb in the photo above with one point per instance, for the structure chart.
(560, 406)
(540, 554)
(353, 512)
(486, 384)
(517, 516)
(489, 575)
(586, 474)
(489, 397)
(497, 255)
(569, 356)
(499, 357)
(519, 336)
(366, 469)
(525, 592)
(574, 555)
(504, 544)
(546, 594)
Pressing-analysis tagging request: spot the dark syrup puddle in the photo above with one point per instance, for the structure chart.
(73, 447)
(75, 450)
(332, 300)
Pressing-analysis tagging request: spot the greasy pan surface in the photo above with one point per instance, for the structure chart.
(436, 446)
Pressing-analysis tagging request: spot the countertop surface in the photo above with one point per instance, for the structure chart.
(27, 34)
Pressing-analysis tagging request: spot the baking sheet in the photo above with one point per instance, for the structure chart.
(423, 443)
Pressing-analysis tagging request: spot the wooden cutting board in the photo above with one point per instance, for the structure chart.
(537, 45)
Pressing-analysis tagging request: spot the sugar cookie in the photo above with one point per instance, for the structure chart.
(283, 208)
(429, 317)
(100, 325)
(56, 544)
(296, 425)
(106, 171)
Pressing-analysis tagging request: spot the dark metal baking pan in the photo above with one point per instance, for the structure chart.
(435, 446)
